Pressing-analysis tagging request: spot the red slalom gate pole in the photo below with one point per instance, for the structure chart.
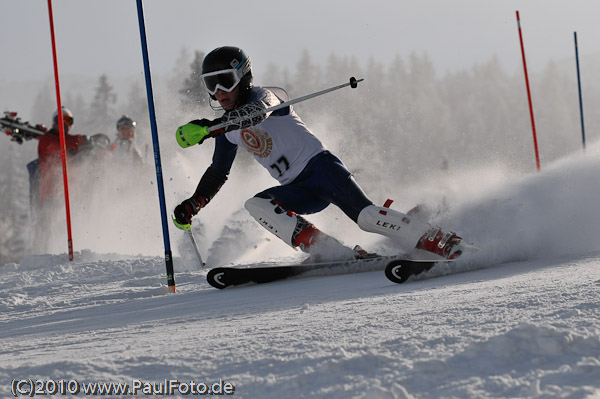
(61, 129)
(535, 144)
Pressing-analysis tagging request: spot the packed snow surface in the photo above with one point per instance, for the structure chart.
(520, 319)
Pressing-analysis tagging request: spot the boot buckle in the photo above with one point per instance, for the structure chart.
(445, 239)
(432, 234)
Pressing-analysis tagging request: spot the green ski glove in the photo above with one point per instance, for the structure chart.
(191, 134)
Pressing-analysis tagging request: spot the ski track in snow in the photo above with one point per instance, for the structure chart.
(527, 327)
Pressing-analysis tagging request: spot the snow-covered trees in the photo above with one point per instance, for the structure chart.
(193, 94)
(404, 123)
(101, 113)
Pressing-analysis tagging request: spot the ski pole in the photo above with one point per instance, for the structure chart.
(195, 245)
(353, 84)
(188, 139)
(188, 229)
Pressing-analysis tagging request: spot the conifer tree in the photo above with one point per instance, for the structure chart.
(102, 114)
(75, 102)
(178, 75)
(137, 104)
(44, 105)
(307, 77)
(193, 94)
(15, 206)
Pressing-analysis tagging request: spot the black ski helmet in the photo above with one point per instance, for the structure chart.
(125, 121)
(229, 57)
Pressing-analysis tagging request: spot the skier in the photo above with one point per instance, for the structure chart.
(310, 176)
(125, 148)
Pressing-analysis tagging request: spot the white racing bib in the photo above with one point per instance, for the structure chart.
(282, 144)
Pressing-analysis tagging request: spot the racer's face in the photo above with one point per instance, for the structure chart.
(227, 100)
(126, 133)
(68, 122)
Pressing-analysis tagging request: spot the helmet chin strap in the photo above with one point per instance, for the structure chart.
(242, 99)
(212, 101)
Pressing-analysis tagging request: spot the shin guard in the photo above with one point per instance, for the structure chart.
(393, 224)
(293, 229)
(410, 232)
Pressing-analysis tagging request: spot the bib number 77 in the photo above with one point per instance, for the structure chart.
(281, 165)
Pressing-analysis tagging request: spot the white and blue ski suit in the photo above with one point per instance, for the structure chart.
(311, 177)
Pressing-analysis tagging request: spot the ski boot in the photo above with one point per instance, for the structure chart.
(447, 245)
(362, 254)
(409, 231)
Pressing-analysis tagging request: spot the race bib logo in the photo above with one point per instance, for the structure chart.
(257, 142)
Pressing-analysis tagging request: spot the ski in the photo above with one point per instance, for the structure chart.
(223, 277)
(19, 130)
(400, 270)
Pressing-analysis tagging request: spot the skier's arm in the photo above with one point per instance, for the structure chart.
(210, 183)
(196, 131)
(216, 174)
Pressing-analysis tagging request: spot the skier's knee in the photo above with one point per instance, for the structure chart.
(257, 207)
(252, 204)
(293, 229)
(273, 217)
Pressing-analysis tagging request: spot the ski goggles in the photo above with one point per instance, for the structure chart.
(226, 80)
(66, 119)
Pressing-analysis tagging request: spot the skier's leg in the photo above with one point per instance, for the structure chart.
(295, 230)
(284, 224)
(335, 184)
(411, 232)
(299, 198)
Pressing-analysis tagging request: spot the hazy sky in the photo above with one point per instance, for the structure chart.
(102, 36)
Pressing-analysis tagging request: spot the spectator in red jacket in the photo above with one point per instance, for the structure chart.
(50, 156)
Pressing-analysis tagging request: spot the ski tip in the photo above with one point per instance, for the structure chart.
(215, 278)
(398, 271)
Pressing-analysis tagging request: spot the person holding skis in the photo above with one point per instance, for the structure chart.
(310, 176)
(50, 156)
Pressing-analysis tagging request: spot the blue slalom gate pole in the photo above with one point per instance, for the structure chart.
(579, 87)
(157, 162)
